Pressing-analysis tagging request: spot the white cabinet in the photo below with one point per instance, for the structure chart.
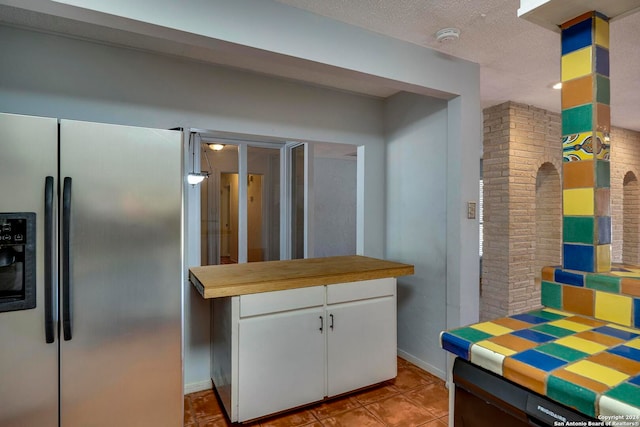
(361, 347)
(281, 362)
(294, 347)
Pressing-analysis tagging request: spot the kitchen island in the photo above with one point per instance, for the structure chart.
(574, 361)
(290, 333)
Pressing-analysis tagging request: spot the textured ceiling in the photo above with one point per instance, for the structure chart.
(519, 61)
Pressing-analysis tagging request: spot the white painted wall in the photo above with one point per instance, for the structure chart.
(59, 77)
(50, 76)
(415, 127)
(287, 38)
(334, 217)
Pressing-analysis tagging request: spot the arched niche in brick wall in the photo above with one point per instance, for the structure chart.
(548, 212)
(630, 219)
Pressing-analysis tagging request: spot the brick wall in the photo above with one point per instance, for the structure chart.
(522, 203)
(494, 297)
(518, 141)
(625, 163)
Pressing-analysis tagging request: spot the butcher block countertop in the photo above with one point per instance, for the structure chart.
(214, 281)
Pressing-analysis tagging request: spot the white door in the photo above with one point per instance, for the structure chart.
(361, 348)
(281, 361)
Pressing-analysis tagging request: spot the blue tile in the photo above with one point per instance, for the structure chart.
(456, 345)
(628, 352)
(635, 380)
(577, 36)
(539, 360)
(602, 61)
(568, 278)
(604, 230)
(636, 312)
(529, 318)
(618, 333)
(534, 336)
(578, 257)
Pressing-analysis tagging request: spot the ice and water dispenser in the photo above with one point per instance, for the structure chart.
(17, 261)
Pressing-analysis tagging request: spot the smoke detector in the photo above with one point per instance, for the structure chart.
(448, 35)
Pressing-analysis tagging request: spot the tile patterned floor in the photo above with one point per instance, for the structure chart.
(414, 398)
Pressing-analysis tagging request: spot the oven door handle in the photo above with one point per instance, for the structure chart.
(48, 261)
(67, 306)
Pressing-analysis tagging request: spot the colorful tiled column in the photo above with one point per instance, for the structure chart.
(586, 206)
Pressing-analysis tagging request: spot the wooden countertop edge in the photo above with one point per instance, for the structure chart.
(297, 282)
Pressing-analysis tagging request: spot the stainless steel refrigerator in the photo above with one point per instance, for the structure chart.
(91, 272)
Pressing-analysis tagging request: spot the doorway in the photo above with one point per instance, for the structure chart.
(259, 201)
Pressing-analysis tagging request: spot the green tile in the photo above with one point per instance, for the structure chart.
(564, 353)
(603, 174)
(603, 89)
(551, 295)
(603, 283)
(548, 314)
(553, 330)
(627, 393)
(578, 229)
(572, 395)
(577, 119)
(470, 334)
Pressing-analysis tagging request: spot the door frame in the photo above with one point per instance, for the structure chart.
(243, 141)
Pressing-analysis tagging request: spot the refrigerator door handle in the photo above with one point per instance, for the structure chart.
(48, 261)
(67, 317)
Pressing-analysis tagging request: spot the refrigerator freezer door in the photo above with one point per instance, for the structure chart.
(28, 365)
(123, 363)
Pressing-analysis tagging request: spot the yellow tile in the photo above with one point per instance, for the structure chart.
(603, 257)
(625, 273)
(602, 32)
(597, 372)
(576, 64)
(496, 347)
(491, 328)
(577, 201)
(572, 326)
(581, 344)
(634, 343)
(613, 308)
(554, 311)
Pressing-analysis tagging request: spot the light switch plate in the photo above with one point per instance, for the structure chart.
(471, 210)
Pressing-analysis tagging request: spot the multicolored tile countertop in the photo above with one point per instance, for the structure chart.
(584, 363)
(581, 349)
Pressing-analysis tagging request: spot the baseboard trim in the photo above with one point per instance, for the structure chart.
(199, 386)
(422, 364)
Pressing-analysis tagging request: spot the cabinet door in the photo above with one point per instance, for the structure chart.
(281, 361)
(362, 343)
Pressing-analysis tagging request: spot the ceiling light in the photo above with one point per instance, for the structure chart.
(216, 147)
(447, 35)
(557, 86)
